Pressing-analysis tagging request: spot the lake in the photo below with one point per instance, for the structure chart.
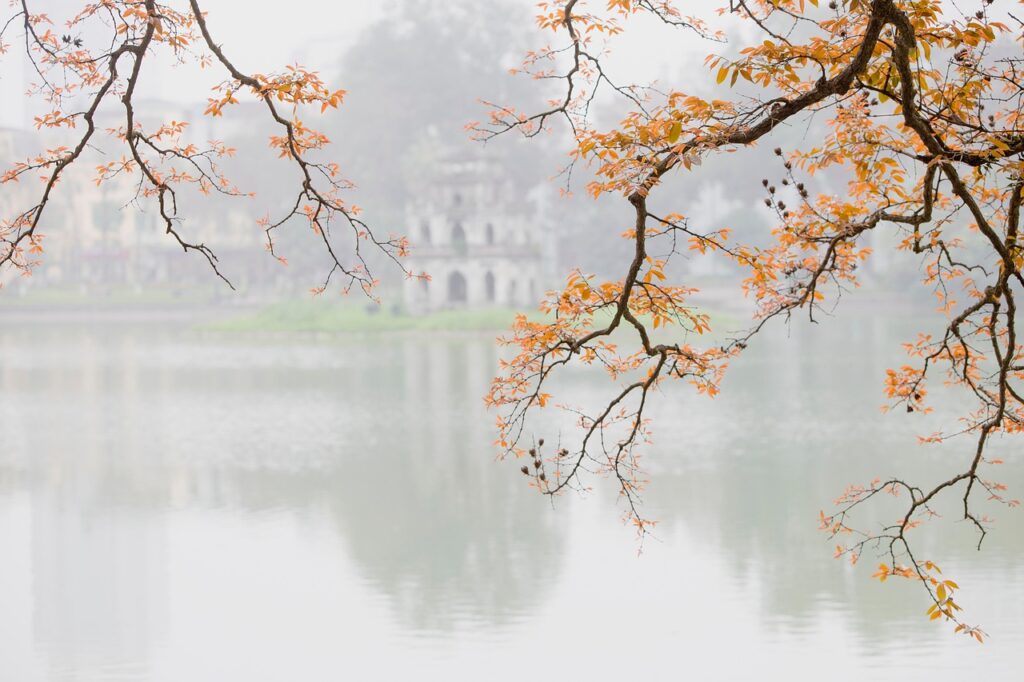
(180, 505)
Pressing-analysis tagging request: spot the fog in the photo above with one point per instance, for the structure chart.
(200, 482)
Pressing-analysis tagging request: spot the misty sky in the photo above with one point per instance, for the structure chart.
(259, 37)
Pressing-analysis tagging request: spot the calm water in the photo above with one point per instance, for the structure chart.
(186, 506)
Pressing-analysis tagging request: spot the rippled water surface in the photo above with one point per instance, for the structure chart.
(185, 506)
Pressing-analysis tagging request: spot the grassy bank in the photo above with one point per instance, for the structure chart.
(318, 315)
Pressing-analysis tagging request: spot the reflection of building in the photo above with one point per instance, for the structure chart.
(99, 579)
(477, 242)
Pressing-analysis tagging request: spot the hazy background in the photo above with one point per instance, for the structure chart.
(199, 484)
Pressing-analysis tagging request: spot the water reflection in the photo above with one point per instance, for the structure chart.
(173, 492)
(797, 422)
(112, 429)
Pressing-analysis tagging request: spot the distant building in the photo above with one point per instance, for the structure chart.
(480, 242)
(106, 236)
(483, 241)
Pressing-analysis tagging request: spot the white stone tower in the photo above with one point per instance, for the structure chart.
(480, 243)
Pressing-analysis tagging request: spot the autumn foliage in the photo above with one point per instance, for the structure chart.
(923, 107)
(923, 104)
(78, 80)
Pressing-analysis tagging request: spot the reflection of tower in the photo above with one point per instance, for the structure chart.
(479, 245)
(449, 535)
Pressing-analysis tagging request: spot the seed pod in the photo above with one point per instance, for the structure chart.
(525, 470)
